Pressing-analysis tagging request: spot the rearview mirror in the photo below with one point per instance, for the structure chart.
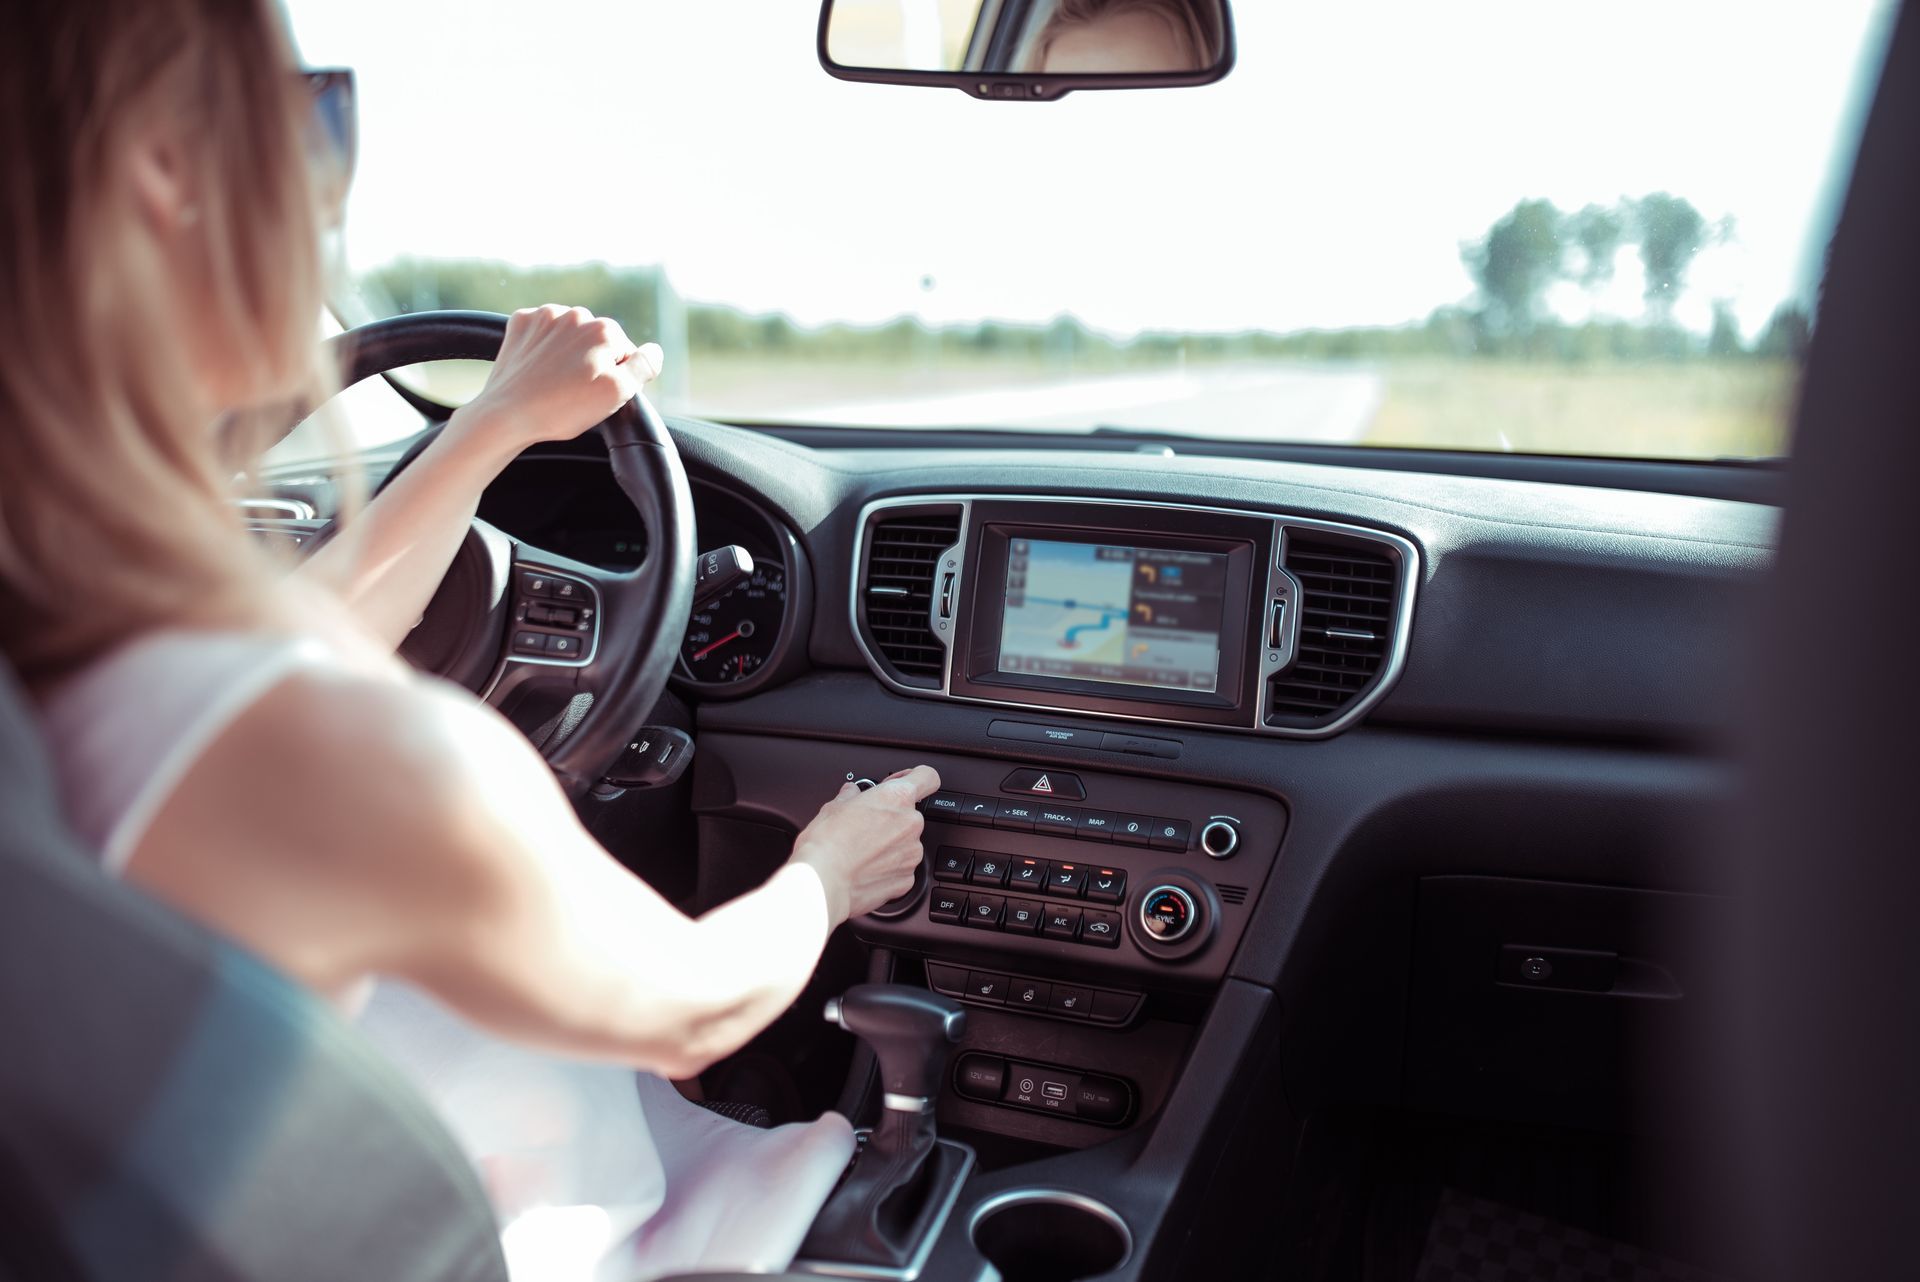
(1028, 49)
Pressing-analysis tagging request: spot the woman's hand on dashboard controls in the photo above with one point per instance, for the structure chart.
(560, 371)
(864, 846)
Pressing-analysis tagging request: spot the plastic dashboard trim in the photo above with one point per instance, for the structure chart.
(1409, 578)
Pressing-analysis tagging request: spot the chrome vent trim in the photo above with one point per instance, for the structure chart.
(903, 553)
(1348, 590)
(1274, 662)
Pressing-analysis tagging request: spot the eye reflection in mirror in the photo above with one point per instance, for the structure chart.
(1028, 48)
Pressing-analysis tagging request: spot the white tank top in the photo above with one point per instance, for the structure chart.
(596, 1172)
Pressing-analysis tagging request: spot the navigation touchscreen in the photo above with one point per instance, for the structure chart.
(1135, 616)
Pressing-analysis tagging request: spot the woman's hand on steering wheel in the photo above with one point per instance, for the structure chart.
(560, 371)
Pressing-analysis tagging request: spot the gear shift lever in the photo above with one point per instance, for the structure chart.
(911, 1031)
(903, 1179)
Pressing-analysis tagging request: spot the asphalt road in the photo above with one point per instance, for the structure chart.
(1297, 403)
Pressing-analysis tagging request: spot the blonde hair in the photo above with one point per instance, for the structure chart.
(1195, 22)
(116, 510)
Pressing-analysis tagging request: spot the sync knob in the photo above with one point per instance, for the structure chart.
(1168, 914)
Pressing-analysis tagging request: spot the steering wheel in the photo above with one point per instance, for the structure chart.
(529, 630)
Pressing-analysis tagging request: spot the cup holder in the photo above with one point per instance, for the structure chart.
(1050, 1235)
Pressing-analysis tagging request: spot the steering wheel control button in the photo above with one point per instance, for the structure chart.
(1107, 885)
(946, 905)
(1023, 917)
(1219, 838)
(952, 865)
(1168, 914)
(1029, 994)
(1095, 825)
(533, 583)
(983, 987)
(1071, 1001)
(1061, 923)
(978, 811)
(1171, 834)
(1014, 815)
(980, 1077)
(565, 647)
(1028, 874)
(988, 869)
(984, 911)
(1068, 880)
(568, 590)
(1054, 785)
(1100, 929)
(529, 643)
(1133, 830)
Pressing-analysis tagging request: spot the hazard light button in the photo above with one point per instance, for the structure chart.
(1045, 783)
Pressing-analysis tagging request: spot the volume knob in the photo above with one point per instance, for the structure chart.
(1219, 838)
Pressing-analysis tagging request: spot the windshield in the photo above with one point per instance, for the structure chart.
(1484, 224)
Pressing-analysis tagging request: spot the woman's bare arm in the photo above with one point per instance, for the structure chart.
(559, 372)
(345, 825)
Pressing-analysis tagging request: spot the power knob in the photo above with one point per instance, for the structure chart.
(1220, 838)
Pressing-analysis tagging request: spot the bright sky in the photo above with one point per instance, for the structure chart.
(1328, 181)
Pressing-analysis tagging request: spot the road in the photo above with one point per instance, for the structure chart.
(1294, 403)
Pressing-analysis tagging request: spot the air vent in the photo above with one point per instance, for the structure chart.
(1232, 894)
(1346, 628)
(896, 596)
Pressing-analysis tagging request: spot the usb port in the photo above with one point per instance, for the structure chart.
(1054, 1090)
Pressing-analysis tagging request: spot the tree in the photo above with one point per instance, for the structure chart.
(1520, 257)
(1671, 233)
(1724, 338)
(1598, 230)
(1786, 334)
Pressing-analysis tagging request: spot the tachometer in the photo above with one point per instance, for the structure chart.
(732, 636)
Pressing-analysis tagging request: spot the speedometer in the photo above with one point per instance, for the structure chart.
(733, 635)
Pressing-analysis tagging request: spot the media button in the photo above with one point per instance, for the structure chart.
(943, 805)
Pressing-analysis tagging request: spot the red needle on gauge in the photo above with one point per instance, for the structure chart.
(709, 648)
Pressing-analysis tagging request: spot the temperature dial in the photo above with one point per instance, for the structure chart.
(1168, 914)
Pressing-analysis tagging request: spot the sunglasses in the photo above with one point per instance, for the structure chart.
(333, 133)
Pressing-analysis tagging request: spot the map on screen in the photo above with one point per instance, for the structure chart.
(1130, 615)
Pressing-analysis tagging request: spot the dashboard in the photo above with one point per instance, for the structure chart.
(735, 642)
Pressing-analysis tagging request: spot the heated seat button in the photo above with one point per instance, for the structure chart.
(952, 864)
(1030, 993)
(984, 911)
(1171, 834)
(1044, 783)
(1023, 916)
(1105, 885)
(989, 869)
(1100, 928)
(980, 1077)
(946, 905)
(1027, 874)
(983, 987)
(1060, 923)
(1067, 879)
(1069, 1000)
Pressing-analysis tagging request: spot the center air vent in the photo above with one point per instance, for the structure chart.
(896, 592)
(1346, 628)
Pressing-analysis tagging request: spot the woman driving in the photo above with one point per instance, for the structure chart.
(241, 741)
